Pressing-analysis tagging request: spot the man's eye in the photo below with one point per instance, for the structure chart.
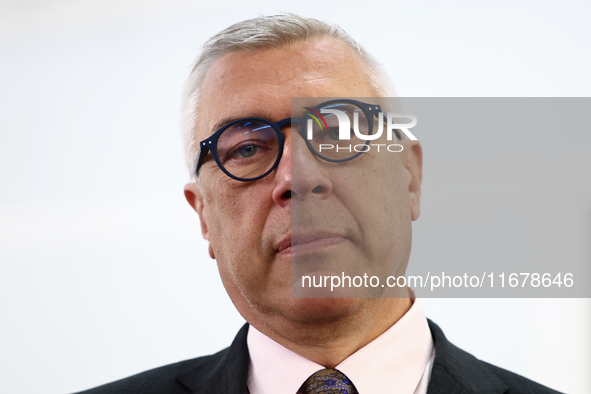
(330, 134)
(333, 134)
(247, 150)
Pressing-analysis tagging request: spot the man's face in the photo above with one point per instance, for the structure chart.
(359, 211)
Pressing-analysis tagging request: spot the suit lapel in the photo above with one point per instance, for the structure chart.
(457, 372)
(225, 372)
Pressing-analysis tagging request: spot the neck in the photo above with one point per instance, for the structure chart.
(331, 340)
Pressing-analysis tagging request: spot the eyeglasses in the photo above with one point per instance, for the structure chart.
(250, 148)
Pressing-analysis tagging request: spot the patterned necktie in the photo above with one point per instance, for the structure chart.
(328, 381)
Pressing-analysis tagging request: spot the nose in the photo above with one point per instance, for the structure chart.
(299, 173)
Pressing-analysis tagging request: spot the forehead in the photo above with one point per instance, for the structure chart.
(262, 82)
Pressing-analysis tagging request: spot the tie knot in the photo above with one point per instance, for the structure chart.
(328, 381)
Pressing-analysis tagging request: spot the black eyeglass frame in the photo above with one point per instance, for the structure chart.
(210, 144)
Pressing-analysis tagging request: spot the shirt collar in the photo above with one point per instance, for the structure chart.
(396, 359)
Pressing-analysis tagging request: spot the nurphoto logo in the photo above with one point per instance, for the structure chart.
(350, 128)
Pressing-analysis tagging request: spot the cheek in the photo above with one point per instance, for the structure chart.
(230, 212)
(397, 230)
(236, 216)
(378, 200)
(379, 189)
(395, 204)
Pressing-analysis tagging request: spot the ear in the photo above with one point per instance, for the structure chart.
(194, 197)
(412, 159)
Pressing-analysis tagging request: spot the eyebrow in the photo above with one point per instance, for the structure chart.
(224, 121)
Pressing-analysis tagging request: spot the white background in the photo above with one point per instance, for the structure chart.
(103, 272)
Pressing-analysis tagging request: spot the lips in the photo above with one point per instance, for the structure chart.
(308, 241)
(284, 244)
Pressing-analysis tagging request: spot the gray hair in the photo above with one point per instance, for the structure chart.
(271, 32)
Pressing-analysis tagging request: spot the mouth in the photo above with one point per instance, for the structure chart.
(308, 242)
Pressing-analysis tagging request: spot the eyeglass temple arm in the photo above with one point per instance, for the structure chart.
(203, 150)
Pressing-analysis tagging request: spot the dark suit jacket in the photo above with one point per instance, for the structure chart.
(454, 372)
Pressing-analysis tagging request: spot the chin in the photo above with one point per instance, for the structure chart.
(321, 310)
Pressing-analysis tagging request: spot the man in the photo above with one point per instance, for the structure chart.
(263, 205)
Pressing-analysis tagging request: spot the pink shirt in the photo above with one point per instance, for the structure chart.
(398, 361)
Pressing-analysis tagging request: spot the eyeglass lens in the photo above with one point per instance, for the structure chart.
(248, 149)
